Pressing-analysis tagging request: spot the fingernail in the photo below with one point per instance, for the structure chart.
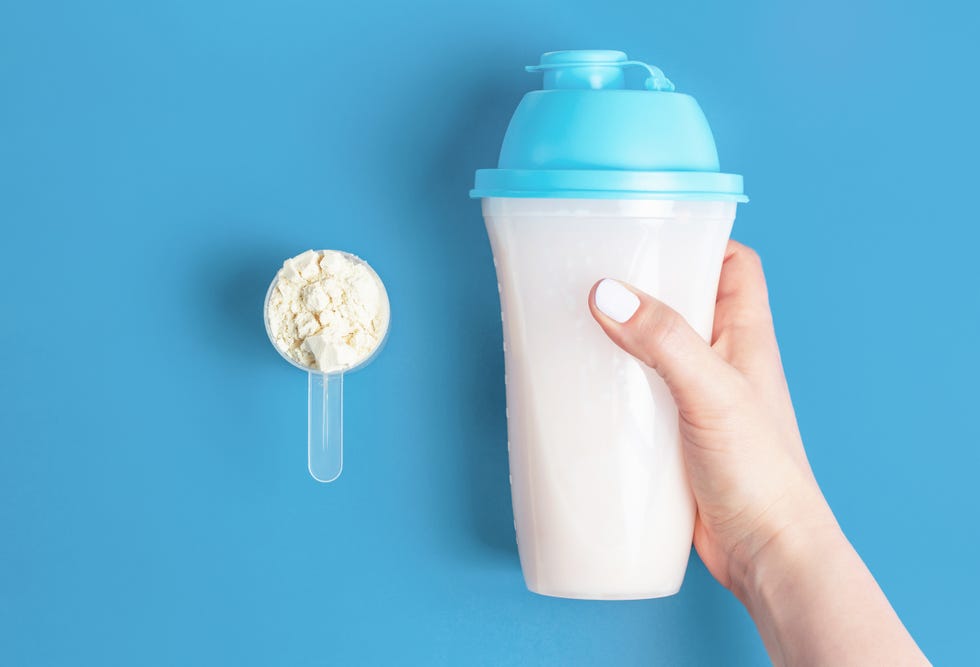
(615, 301)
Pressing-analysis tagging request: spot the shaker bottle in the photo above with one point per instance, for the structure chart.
(606, 172)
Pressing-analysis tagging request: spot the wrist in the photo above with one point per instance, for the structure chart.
(815, 602)
(784, 549)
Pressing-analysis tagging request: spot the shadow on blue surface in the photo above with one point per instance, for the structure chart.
(455, 220)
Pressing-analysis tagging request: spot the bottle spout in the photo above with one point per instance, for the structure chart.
(594, 70)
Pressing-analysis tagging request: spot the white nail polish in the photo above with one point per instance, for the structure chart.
(616, 301)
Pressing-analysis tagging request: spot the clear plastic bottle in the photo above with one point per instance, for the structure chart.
(598, 179)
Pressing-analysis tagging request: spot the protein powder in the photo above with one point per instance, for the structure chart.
(327, 310)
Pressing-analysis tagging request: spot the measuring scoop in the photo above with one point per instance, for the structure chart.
(326, 391)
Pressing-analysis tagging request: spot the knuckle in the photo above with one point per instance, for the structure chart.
(752, 256)
(660, 327)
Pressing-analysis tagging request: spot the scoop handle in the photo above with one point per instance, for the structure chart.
(326, 428)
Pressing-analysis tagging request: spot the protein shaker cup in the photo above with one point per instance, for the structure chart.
(606, 172)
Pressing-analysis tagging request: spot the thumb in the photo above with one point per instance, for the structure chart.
(660, 337)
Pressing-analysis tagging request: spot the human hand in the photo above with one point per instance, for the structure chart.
(742, 447)
(763, 527)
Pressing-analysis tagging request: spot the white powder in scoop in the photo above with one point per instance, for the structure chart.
(327, 311)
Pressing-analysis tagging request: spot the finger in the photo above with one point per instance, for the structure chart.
(743, 299)
(657, 335)
(743, 331)
(744, 335)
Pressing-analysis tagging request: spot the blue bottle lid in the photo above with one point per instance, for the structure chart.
(592, 132)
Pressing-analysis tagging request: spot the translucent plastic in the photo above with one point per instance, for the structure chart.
(325, 421)
(602, 505)
(326, 426)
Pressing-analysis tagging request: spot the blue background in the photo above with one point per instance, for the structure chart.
(159, 160)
